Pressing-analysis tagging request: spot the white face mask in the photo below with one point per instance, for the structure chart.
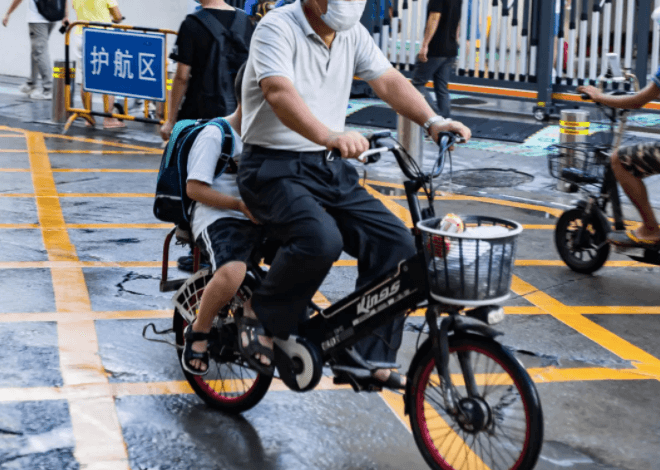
(342, 14)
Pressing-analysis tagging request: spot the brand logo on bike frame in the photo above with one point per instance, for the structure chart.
(368, 302)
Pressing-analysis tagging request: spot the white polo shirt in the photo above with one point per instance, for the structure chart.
(285, 45)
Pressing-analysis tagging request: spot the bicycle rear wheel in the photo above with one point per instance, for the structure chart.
(502, 424)
(230, 385)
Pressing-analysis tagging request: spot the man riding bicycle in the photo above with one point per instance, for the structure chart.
(631, 164)
(295, 95)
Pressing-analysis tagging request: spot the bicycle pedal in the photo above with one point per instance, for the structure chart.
(356, 372)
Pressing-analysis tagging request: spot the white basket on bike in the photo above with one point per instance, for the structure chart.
(474, 267)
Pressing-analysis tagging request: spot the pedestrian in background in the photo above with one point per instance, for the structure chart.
(212, 44)
(437, 55)
(40, 28)
(101, 11)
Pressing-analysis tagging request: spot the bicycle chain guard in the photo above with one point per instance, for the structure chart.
(299, 363)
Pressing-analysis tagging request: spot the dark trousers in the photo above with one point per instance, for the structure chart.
(316, 209)
(438, 68)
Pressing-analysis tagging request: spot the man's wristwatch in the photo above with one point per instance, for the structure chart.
(427, 125)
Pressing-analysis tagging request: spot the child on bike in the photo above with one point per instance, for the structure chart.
(223, 229)
(632, 164)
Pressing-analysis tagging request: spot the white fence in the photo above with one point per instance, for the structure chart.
(505, 38)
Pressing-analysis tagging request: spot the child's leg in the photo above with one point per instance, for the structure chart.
(223, 286)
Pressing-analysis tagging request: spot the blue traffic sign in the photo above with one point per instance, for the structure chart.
(124, 63)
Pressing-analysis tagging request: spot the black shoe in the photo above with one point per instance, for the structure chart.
(185, 263)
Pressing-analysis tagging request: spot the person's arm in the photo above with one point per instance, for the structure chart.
(636, 101)
(202, 192)
(116, 15)
(395, 89)
(294, 113)
(431, 27)
(11, 9)
(179, 87)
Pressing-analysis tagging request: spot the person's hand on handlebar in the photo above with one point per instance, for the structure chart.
(452, 126)
(592, 92)
(350, 143)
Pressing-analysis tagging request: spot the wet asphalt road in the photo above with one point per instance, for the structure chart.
(80, 388)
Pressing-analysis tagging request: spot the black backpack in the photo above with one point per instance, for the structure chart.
(228, 52)
(52, 10)
(172, 204)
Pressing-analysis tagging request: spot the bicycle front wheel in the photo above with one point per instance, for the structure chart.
(500, 425)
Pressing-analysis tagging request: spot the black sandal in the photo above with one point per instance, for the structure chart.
(189, 354)
(253, 329)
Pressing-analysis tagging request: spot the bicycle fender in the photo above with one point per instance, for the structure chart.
(469, 325)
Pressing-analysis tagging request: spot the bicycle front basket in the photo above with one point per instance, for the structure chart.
(474, 267)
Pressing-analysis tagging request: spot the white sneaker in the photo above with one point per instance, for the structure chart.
(26, 88)
(41, 95)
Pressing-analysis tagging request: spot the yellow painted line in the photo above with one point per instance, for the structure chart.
(618, 310)
(345, 263)
(321, 300)
(11, 135)
(489, 90)
(13, 150)
(14, 170)
(397, 209)
(18, 226)
(538, 227)
(103, 152)
(553, 374)
(62, 266)
(101, 170)
(522, 310)
(97, 433)
(643, 361)
(120, 226)
(83, 316)
(609, 264)
(17, 195)
(103, 142)
(56, 239)
(106, 195)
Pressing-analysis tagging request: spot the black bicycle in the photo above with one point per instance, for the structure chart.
(581, 232)
(471, 402)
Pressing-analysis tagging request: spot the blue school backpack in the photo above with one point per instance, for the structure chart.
(172, 204)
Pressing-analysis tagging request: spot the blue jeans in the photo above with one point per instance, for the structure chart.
(440, 69)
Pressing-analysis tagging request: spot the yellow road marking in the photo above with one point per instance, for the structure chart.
(14, 170)
(96, 429)
(101, 152)
(120, 226)
(397, 209)
(26, 195)
(84, 316)
(106, 195)
(101, 170)
(13, 150)
(94, 390)
(103, 142)
(18, 226)
(639, 358)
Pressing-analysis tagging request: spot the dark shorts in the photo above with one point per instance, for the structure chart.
(229, 239)
(641, 160)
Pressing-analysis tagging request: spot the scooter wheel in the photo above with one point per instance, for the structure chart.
(581, 241)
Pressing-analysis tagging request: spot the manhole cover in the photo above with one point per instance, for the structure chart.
(491, 178)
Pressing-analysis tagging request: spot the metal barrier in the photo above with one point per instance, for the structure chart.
(514, 43)
(123, 60)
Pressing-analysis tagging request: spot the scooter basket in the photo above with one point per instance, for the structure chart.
(474, 267)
